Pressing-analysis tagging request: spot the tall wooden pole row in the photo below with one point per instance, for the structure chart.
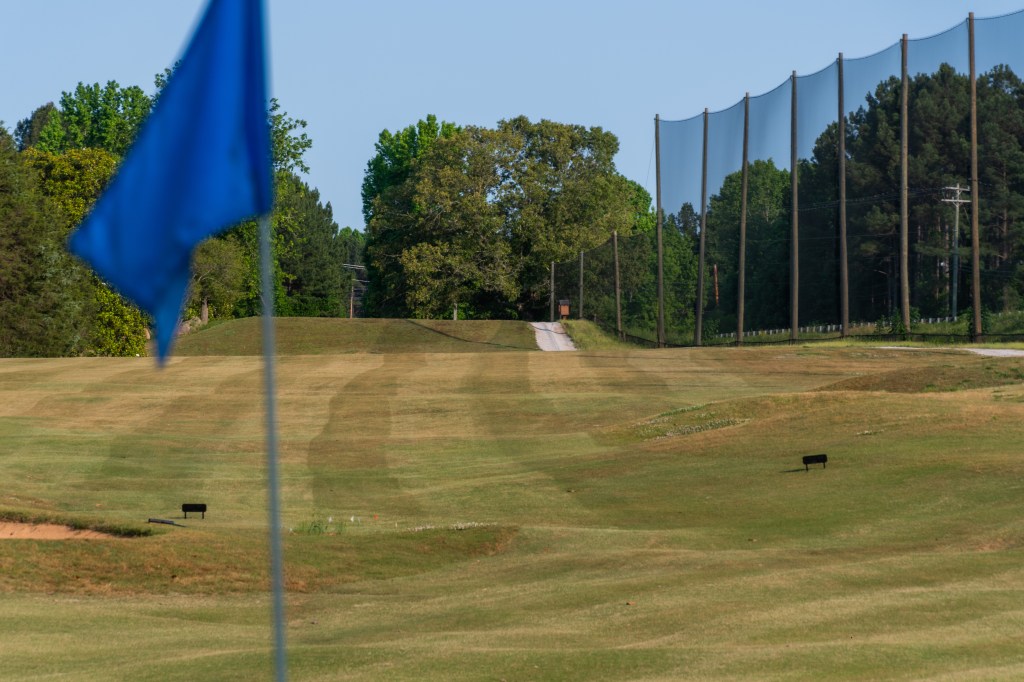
(904, 193)
(661, 264)
(742, 267)
(844, 272)
(975, 238)
(698, 327)
(794, 249)
(904, 246)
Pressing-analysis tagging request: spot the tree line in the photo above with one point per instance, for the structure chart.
(465, 221)
(56, 163)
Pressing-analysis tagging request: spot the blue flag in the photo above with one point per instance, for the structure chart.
(201, 163)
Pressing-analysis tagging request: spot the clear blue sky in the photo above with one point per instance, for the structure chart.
(353, 68)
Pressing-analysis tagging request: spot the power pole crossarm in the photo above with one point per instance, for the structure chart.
(954, 270)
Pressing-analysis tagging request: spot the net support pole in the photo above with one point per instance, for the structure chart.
(698, 327)
(273, 479)
(844, 263)
(661, 261)
(580, 314)
(618, 284)
(744, 182)
(794, 237)
(975, 236)
(904, 190)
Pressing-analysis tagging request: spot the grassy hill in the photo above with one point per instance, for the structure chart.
(321, 335)
(599, 515)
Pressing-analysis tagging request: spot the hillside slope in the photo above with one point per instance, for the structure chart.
(322, 336)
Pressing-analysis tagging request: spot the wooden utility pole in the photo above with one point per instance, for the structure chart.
(975, 237)
(698, 327)
(581, 286)
(661, 262)
(551, 289)
(844, 272)
(742, 267)
(954, 270)
(794, 249)
(618, 285)
(904, 192)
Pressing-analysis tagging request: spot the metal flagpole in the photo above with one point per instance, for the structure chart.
(273, 483)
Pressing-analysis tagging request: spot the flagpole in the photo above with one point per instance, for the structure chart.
(273, 484)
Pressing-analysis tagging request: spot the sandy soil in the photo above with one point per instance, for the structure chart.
(45, 531)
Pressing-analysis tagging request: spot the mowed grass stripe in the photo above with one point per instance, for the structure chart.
(645, 516)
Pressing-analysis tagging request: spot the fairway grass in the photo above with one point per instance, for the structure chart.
(462, 515)
(331, 335)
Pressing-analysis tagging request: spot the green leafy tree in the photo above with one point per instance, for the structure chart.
(119, 328)
(392, 162)
(217, 278)
(767, 294)
(104, 117)
(388, 189)
(562, 196)
(1001, 166)
(500, 204)
(28, 130)
(288, 144)
(41, 289)
(463, 256)
(317, 283)
(73, 181)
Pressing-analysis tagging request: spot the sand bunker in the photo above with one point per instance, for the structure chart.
(45, 531)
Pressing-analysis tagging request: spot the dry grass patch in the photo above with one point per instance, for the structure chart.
(600, 515)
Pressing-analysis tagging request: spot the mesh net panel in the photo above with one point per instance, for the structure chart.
(938, 128)
(817, 98)
(997, 40)
(926, 55)
(725, 145)
(681, 151)
(862, 75)
(638, 286)
(770, 125)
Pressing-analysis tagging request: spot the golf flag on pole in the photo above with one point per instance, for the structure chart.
(200, 164)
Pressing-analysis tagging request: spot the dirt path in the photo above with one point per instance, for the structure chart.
(551, 336)
(998, 352)
(994, 352)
